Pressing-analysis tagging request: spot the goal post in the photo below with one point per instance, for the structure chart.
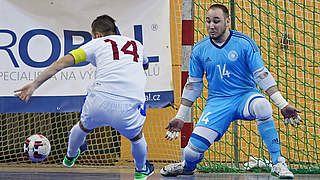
(187, 41)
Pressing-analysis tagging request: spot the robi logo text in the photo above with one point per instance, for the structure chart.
(55, 43)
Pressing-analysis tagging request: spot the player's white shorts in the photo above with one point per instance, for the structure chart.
(102, 109)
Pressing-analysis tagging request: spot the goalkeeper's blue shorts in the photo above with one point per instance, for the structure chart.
(219, 112)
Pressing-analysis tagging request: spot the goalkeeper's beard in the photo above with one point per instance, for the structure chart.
(220, 37)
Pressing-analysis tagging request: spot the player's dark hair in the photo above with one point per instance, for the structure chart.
(222, 7)
(104, 24)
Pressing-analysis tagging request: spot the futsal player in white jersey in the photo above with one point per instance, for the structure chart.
(233, 67)
(117, 96)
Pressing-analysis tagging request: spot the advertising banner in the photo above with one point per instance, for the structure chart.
(35, 33)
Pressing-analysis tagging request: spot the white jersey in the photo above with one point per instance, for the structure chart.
(119, 62)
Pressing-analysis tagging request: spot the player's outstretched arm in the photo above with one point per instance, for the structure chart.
(264, 79)
(176, 124)
(26, 92)
(289, 112)
(191, 91)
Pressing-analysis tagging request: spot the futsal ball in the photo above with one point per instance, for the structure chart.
(37, 148)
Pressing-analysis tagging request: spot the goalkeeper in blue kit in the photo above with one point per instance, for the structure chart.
(233, 67)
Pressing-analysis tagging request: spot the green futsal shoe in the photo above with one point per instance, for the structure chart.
(69, 162)
(143, 175)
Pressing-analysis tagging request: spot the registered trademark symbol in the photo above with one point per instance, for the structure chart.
(154, 27)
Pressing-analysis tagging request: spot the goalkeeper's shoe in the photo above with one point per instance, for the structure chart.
(143, 175)
(69, 161)
(176, 169)
(281, 170)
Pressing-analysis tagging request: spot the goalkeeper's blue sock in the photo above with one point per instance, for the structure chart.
(269, 134)
(194, 151)
(76, 138)
(139, 151)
